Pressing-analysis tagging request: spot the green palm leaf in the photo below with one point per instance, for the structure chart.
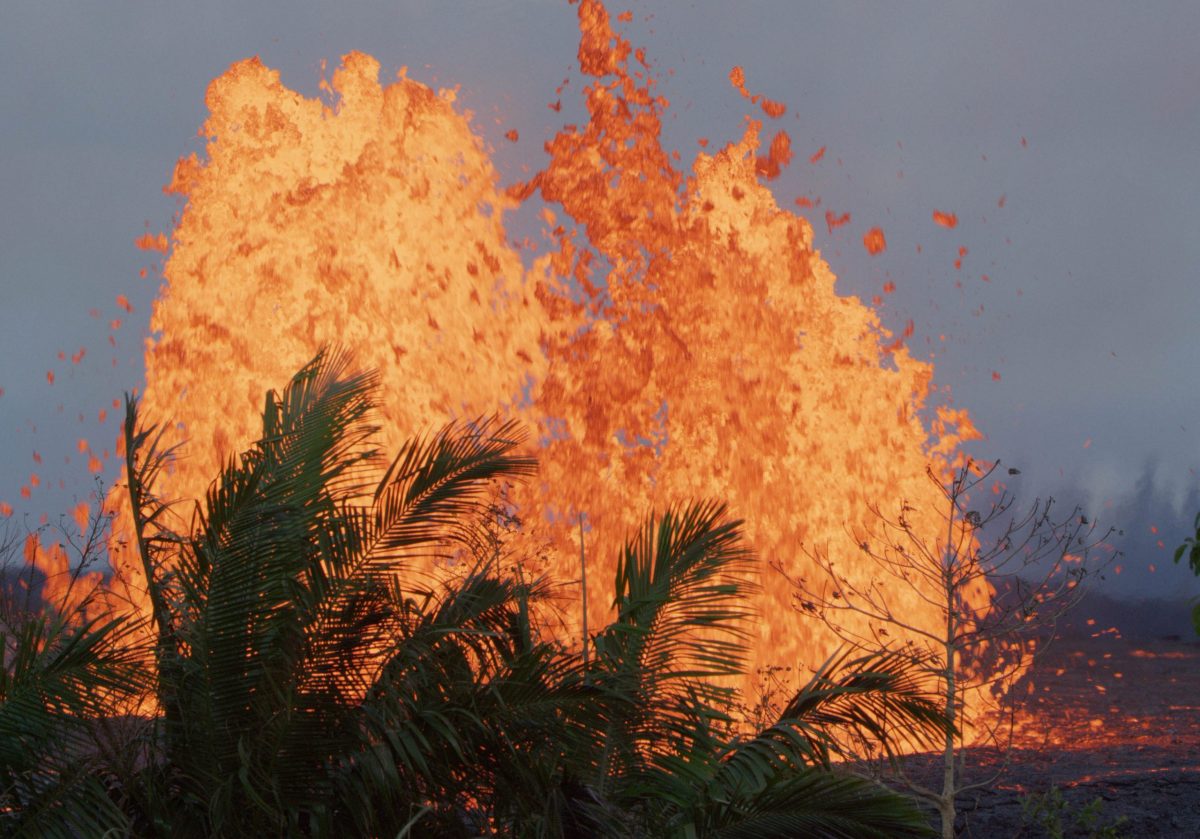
(317, 679)
(58, 678)
(819, 804)
(881, 697)
(681, 620)
(285, 635)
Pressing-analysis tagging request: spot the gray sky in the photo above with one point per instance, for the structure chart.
(1090, 309)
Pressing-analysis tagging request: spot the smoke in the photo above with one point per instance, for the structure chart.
(1151, 508)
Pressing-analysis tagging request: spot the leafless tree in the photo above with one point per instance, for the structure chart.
(57, 566)
(1000, 581)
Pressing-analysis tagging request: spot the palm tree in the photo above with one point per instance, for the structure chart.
(61, 674)
(667, 760)
(304, 689)
(311, 681)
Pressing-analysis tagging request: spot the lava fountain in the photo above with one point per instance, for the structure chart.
(681, 338)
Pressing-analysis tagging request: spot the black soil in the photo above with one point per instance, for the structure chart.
(1111, 720)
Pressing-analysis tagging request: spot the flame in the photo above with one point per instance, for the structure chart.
(690, 344)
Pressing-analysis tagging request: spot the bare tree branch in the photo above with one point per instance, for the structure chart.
(998, 579)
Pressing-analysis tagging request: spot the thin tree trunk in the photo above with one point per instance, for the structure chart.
(946, 803)
(583, 581)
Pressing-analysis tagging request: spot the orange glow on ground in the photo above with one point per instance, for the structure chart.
(1092, 694)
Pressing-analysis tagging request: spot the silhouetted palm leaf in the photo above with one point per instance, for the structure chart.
(58, 678)
(680, 629)
(881, 697)
(665, 757)
(317, 679)
(284, 614)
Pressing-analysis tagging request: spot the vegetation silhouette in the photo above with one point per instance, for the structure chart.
(1191, 549)
(310, 679)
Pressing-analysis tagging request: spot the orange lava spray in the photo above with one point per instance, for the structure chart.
(682, 338)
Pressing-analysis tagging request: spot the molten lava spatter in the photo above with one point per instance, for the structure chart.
(717, 337)
(374, 225)
(683, 339)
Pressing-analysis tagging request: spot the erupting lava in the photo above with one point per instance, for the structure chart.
(681, 339)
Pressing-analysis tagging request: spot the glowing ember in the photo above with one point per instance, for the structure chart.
(949, 220)
(150, 242)
(833, 221)
(691, 345)
(874, 242)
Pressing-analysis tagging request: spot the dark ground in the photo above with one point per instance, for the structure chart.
(1115, 716)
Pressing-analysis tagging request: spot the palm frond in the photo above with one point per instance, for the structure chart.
(436, 484)
(418, 507)
(680, 590)
(681, 628)
(819, 804)
(58, 678)
(314, 683)
(882, 697)
(232, 608)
